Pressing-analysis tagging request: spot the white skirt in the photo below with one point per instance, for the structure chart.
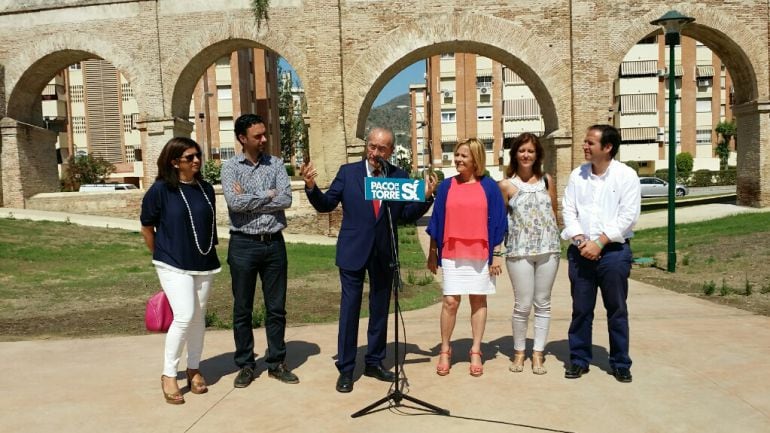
(467, 277)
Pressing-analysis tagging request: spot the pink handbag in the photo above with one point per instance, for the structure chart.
(158, 315)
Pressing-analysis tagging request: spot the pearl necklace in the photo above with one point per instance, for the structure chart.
(192, 223)
(187, 182)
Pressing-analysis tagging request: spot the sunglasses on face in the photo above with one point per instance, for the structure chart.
(190, 157)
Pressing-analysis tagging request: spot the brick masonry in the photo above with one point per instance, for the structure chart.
(568, 52)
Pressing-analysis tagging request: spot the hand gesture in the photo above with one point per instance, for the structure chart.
(431, 182)
(308, 173)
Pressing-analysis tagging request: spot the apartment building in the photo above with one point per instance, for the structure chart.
(703, 97)
(466, 95)
(246, 81)
(92, 107)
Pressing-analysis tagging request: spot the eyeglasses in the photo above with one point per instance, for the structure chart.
(190, 157)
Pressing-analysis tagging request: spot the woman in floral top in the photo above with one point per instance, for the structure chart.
(532, 246)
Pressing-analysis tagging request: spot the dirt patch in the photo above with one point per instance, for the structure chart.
(733, 271)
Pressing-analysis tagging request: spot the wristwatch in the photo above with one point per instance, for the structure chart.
(577, 242)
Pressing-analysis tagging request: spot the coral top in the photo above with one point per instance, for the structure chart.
(465, 232)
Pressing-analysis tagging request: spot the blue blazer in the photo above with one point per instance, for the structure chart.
(497, 217)
(360, 230)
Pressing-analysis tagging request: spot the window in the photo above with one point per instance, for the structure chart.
(703, 136)
(128, 124)
(126, 92)
(76, 93)
(224, 93)
(448, 116)
(484, 81)
(78, 124)
(703, 105)
(484, 113)
(75, 66)
(447, 55)
(638, 103)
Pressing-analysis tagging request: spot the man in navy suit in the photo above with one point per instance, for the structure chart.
(363, 246)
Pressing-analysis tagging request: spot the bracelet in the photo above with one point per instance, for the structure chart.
(498, 253)
(599, 243)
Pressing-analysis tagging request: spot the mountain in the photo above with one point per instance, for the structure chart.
(390, 116)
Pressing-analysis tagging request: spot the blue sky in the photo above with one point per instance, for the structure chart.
(414, 74)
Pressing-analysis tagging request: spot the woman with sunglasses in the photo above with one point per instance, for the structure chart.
(179, 227)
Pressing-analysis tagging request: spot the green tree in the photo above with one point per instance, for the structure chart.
(404, 158)
(290, 113)
(212, 171)
(633, 164)
(85, 169)
(727, 130)
(684, 163)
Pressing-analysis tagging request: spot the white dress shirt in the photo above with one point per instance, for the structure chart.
(609, 203)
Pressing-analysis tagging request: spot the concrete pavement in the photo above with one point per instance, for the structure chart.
(698, 366)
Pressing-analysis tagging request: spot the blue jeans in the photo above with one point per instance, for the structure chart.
(249, 258)
(610, 274)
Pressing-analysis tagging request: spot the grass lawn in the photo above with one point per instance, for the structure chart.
(724, 260)
(64, 280)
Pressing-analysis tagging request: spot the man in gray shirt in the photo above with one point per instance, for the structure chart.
(257, 190)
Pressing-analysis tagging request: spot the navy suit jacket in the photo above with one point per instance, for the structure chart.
(361, 231)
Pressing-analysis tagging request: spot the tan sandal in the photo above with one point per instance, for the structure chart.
(196, 382)
(537, 363)
(517, 363)
(171, 397)
(442, 369)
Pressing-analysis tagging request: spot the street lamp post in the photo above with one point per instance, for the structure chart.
(672, 21)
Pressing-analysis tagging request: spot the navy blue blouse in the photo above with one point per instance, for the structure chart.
(175, 246)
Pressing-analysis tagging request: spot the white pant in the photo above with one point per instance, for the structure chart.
(187, 295)
(532, 279)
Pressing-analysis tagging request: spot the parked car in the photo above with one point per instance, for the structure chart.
(106, 187)
(654, 187)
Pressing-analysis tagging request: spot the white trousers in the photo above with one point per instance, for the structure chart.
(532, 279)
(188, 295)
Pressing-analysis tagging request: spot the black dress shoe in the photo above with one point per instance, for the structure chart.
(622, 374)
(244, 377)
(345, 382)
(282, 373)
(574, 371)
(379, 373)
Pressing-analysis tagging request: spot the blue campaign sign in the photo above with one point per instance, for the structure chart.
(393, 189)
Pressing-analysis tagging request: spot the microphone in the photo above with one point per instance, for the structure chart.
(383, 165)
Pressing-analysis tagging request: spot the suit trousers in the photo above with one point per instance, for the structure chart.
(380, 286)
(249, 258)
(610, 274)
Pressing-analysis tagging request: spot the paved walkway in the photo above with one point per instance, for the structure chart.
(698, 366)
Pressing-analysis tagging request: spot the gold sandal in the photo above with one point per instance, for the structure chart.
(171, 397)
(517, 363)
(196, 386)
(537, 363)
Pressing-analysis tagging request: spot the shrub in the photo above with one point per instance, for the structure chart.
(212, 171)
(662, 174)
(634, 165)
(85, 169)
(684, 163)
(702, 178)
(726, 177)
(709, 288)
(289, 169)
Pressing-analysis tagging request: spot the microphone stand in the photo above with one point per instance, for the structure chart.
(397, 394)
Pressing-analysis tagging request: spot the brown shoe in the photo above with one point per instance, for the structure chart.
(171, 397)
(196, 382)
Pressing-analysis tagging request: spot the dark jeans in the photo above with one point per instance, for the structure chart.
(249, 257)
(610, 274)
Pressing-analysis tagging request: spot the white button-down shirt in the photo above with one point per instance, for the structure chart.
(609, 203)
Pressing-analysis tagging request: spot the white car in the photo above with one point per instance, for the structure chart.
(654, 187)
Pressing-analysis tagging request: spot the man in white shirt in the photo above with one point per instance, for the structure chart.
(601, 204)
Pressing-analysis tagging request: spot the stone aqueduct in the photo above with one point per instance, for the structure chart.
(345, 51)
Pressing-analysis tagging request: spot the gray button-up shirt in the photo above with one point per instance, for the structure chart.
(254, 211)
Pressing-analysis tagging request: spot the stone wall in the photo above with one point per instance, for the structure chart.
(302, 218)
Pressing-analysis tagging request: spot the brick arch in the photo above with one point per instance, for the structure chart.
(503, 41)
(215, 43)
(738, 48)
(26, 80)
